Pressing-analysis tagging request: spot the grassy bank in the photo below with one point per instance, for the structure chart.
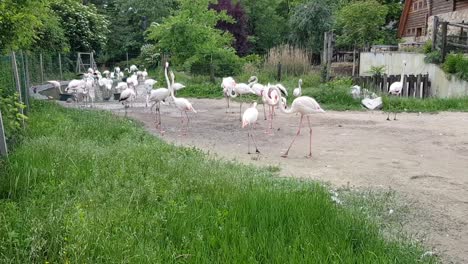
(89, 187)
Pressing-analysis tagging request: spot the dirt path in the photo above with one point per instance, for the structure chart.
(424, 157)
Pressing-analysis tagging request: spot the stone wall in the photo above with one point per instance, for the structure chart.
(454, 17)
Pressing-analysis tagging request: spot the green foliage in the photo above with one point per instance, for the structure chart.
(308, 24)
(456, 64)
(20, 22)
(267, 26)
(433, 57)
(377, 70)
(424, 105)
(360, 23)
(118, 194)
(193, 41)
(11, 115)
(85, 29)
(427, 47)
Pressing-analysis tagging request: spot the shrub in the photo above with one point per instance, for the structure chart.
(427, 47)
(377, 70)
(433, 57)
(11, 115)
(456, 64)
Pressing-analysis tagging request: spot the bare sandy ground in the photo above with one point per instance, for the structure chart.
(424, 157)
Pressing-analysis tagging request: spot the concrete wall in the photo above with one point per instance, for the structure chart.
(442, 85)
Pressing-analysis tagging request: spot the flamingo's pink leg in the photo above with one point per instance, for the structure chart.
(285, 155)
(254, 141)
(310, 141)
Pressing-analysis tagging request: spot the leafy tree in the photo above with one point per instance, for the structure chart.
(360, 23)
(192, 40)
(20, 21)
(85, 29)
(308, 23)
(238, 29)
(267, 27)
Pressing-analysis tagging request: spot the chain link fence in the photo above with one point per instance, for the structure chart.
(19, 73)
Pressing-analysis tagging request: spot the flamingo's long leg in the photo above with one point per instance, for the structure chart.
(310, 141)
(285, 155)
(240, 111)
(264, 112)
(248, 141)
(395, 116)
(253, 139)
(188, 121)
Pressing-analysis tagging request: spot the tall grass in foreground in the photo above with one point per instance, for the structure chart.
(88, 187)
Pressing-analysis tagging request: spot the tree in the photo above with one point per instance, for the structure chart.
(85, 29)
(361, 23)
(267, 27)
(238, 29)
(20, 21)
(308, 23)
(192, 40)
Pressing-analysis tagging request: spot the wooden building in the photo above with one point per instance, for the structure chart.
(417, 16)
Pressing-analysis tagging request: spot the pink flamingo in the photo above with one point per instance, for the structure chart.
(271, 96)
(305, 106)
(248, 119)
(180, 103)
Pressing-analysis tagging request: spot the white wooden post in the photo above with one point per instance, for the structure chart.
(3, 145)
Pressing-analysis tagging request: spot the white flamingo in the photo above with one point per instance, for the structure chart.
(228, 85)
(149, 85)
(305, 106)
(144, 74)
(271, 96)
(298, 91)
(156, 97)
(132, 82)
(181, 103)
(241, 89)
(126, 96)
(258, 89)
(396, 88)
(248, 119)
(175, 86)
(57, 85)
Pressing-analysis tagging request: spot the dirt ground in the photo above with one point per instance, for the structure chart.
(422, 156)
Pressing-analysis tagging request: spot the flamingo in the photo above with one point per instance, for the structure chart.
(228, 85)
(132, 82)
(258, 89)
(271, 96)
(175, 86)
(396, 88)
(144, 74)
(298, 91)
(241, 89)
(248, 119)
(127, 96)
(156, 97)
(305, 106)
(57, 85)
(181, 103)
(149, 85)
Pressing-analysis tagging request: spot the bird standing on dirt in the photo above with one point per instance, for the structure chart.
(396, 88)
(248, 119)
(305, 106)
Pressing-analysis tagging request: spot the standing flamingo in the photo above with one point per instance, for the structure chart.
(271, 96)
(228, 85)
(396, 88)
(258, 89)
(248, 119)
(181, 103)
(127, 96)
(156, 97)
(241, 89)
(305, 106)
(298, 91)
(176, 86)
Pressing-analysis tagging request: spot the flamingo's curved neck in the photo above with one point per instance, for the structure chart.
(403, 73)
(169, 83)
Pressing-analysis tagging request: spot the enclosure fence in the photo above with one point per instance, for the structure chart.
(416, 86)
(19, 71)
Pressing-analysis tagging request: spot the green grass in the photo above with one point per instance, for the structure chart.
(89, 187)
(427, 105)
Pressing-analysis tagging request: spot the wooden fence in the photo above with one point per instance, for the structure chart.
(416, 86)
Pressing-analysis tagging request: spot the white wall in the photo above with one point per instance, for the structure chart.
(442, 85)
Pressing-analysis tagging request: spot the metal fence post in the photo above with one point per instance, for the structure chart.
(42, 67)
(17, 79)
(60, 66)
(3, 145)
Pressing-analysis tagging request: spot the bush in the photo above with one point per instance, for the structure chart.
(11, 115)
(225, 63)
(433, 57)
(377, 70)
(427, 48)
(456, 64)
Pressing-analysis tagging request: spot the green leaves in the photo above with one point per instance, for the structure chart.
(360, 23)
(11, 115)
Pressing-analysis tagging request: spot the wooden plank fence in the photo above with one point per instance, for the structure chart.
(416, 86)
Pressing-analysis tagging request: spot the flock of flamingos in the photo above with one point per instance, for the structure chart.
(272, 95)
